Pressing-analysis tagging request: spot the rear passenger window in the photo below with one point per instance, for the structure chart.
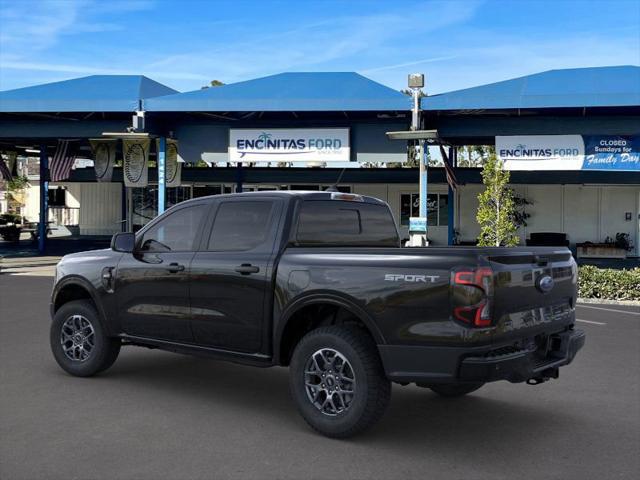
(332, 222)
(240, 226)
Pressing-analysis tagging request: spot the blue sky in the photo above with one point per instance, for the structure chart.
(184, 44)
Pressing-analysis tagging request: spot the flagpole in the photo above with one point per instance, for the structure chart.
(44, 199)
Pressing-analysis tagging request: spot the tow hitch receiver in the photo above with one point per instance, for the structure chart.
(544, 376)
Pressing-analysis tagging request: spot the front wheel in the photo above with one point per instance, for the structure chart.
(337, 381)
(79, 342)
(455, 389)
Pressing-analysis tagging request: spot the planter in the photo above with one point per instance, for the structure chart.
(600, 250)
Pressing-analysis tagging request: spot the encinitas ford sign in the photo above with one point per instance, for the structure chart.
(541, 152)
(289, 145)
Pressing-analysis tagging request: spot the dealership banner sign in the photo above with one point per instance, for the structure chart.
(569, 152)
(289, 145)
(610, 152)
(541, 152)
(136, 162)
(104, 157)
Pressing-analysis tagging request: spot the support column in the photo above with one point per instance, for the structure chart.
(239, 179)
(451, 199)
(162, 182)
(44, 199)
(124, 223)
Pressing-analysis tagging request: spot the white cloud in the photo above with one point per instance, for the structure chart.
(408, 64)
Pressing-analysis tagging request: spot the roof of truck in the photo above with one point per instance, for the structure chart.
(306, 194)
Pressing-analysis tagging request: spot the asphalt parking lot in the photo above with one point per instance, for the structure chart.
(159, 415)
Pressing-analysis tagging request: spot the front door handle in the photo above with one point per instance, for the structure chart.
(247, 268)
(175, 267)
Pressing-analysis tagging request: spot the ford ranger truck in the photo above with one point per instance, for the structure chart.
(318, 282)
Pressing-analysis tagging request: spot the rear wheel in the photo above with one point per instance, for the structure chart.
(79, 342)
(337, 381)
(455, 389)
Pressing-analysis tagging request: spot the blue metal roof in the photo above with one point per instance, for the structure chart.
(577, 87)
(96, 93)
(306, 91)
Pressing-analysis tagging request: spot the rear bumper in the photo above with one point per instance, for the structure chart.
(422, 364)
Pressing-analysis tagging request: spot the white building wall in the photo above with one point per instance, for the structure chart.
(100, 208)
(581, 214)
(615, 203)
(377, 190)
(546, 211)
(31, 208)
(466, 208)
(73, 195)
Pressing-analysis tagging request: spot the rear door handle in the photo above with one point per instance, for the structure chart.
(175, 267)
(247, 268)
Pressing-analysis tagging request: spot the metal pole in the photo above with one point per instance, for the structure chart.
(450, 200)
(419, 238)
(423, 179)
(162, 183)
(44, 199)
(415, 93)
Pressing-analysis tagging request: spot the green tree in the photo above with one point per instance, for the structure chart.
(474, 155)
(496, 208)
(213, 83)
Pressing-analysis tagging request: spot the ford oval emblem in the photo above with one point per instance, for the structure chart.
(545, 283)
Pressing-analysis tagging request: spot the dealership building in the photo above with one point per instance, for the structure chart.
(570, 137)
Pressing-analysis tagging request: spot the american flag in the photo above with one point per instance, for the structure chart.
(4, 170)
(451, 175)
(62, 160)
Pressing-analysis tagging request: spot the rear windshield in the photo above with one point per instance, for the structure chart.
(338, 223)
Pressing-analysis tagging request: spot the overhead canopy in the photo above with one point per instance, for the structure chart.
(569, 88)
(288, 92)
(96, 93)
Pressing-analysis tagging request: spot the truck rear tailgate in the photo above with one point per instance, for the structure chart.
(535, 292)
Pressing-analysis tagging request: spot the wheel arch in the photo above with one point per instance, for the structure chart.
(287, 332)
(77, 288)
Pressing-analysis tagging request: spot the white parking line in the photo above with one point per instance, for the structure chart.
(608, 309)
(590, 321)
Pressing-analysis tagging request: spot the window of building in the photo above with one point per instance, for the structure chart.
(176, 195)
(437, 212)
(57, 197)
(144, 206)
(206, 190)
(241, 226)
(176, 232)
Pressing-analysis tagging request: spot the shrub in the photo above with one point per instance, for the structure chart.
(608, 284)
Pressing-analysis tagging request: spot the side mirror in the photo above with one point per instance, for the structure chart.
(123, 242)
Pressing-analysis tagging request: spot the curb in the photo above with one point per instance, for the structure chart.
(7, 267)
(602, 301)
(27, 265)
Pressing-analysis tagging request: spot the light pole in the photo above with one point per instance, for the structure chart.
(418, 225)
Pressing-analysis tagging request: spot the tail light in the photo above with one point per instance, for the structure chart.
(476, 292)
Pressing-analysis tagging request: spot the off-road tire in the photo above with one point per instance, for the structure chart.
(105, 349)
(372, 389)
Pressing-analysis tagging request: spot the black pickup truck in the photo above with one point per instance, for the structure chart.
(317, 281)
